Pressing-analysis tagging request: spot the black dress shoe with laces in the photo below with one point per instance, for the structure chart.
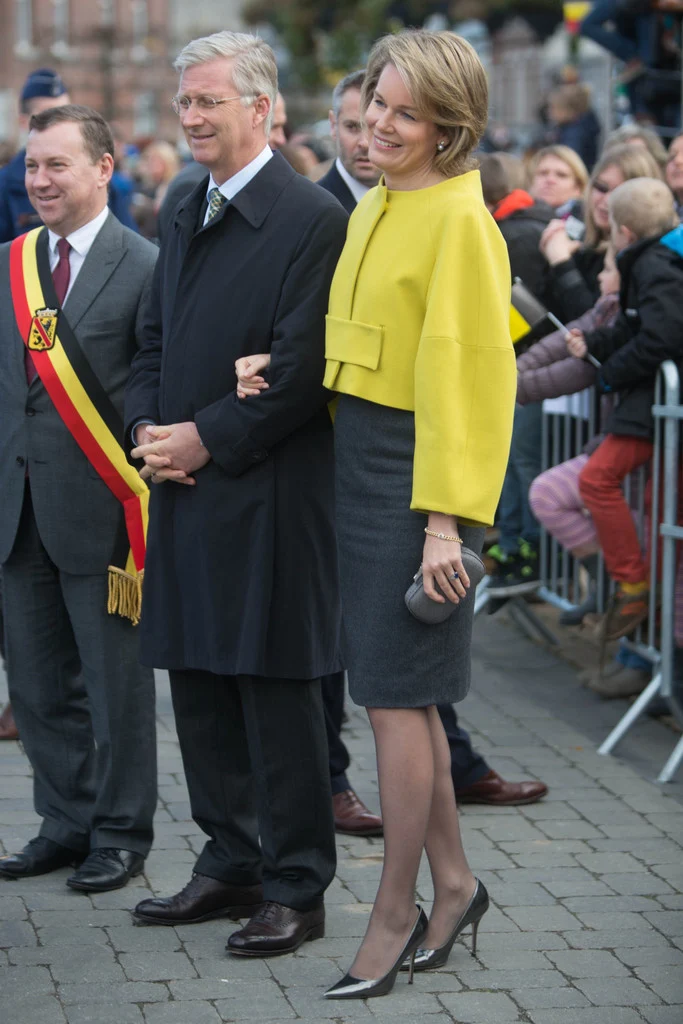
(39, 857)
(105, 869)
(200, 900)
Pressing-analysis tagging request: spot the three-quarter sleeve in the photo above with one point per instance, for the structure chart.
(465, 372)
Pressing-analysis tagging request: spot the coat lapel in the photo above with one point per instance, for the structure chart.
(105, 254)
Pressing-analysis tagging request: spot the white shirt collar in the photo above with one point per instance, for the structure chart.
(82, 238)
(233, 185)
(356, 188)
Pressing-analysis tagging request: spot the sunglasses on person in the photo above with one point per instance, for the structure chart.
(602, 187)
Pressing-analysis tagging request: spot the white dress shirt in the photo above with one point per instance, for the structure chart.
(80, 241)
(356, 188)
(233, 185)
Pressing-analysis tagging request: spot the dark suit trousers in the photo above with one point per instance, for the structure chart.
(467, 766)
(94, 760)
(255, 761)
(333, 703)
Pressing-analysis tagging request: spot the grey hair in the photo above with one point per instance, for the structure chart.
(353, 81)
(254, 70)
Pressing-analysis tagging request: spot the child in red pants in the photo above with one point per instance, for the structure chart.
(648, 330)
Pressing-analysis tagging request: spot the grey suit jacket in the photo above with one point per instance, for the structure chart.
(77, 515)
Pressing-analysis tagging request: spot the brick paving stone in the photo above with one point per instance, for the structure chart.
(496, 979)
(85, 966)
(157, 966)
(608, 863)
(668, 921)
(11, 907)
(666, 981)
(655, 956)
(128, 992)
(135, 940)
(543, 919)
(54, 937)
(32, 1009)
(605, 1015)
(645, 884)
(610, 904)
(29, 981)
(661, 1014)
(607, 938)
(480, 1007)
(234, 968)
(181, 1013)
(265, 999)
(616, 922)
(545, 998)
(523, 894)
(591, 963)
(617, 991)
(105, 1013)
(17, 933)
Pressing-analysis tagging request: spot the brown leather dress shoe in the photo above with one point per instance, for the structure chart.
(496, 791)
(8, 727)
(201, 899)
(353, 818)
(275, 929)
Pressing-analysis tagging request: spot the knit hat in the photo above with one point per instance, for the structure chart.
(43, 82)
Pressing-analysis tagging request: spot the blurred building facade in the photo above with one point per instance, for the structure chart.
(114, 55)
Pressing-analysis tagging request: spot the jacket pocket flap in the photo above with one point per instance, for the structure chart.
(351, 341)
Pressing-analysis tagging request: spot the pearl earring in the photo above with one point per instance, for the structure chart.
(441, 146)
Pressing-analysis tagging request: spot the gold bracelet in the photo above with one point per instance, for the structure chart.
(443, 536)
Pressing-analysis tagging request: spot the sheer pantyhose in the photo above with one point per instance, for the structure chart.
(419, 812)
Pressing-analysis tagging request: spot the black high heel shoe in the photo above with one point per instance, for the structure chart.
(430, 959)
(357, 988)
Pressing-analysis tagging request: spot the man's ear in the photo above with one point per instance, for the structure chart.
(333, 124)
(261, 108)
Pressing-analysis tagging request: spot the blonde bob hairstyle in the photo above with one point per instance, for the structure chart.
(448, 86)
(632, 162)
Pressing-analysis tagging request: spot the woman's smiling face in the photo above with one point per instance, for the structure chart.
(400, 142)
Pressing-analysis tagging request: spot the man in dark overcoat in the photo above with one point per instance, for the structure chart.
(241, 599)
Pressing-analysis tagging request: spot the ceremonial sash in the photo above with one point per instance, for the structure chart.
(86, 410)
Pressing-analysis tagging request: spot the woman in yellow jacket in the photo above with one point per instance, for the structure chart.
(419, 351)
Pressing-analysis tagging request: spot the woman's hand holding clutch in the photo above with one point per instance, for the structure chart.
(442, 560)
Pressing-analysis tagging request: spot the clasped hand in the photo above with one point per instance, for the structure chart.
(170, 452)
(555, 244)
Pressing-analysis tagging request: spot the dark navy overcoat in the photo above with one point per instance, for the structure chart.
(241, 570)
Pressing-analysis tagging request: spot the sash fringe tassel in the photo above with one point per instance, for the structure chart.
(125, 594)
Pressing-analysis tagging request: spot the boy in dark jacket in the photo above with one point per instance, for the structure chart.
(648, 331)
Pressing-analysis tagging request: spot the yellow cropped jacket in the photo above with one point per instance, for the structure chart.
(419, 320)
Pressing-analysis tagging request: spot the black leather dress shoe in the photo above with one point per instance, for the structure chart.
(106, 868)
(39, 857)
(275, 929)
(200, 900)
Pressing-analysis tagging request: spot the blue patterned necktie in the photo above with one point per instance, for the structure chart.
(216, 203)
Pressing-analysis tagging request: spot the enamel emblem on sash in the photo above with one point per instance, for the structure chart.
(43, 330)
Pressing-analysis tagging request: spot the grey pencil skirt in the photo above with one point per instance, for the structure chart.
(393, 660)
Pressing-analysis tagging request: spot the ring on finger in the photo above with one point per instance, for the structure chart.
(454, 576)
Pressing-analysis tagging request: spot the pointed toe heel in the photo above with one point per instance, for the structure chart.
(358, 988)
(431, 959)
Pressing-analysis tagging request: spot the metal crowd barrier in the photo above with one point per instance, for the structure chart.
(565, 434)
(668, 414)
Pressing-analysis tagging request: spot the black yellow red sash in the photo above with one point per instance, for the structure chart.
(85, 408)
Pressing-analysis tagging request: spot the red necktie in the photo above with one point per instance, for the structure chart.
(61, 276)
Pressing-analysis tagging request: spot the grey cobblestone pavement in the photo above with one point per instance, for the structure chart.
(586, 925)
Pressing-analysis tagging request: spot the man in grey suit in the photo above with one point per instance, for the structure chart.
(94, 760)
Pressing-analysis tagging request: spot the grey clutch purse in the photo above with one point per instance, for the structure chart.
(431, 612)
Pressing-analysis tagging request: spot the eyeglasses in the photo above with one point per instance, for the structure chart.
(205, 104)
(602, 187)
